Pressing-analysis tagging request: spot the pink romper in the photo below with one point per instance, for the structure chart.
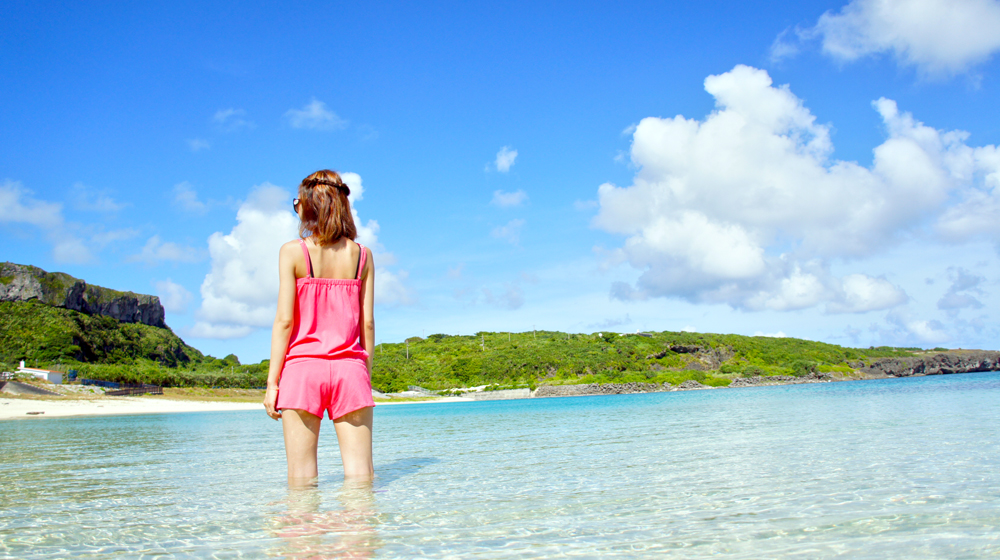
(325, 366)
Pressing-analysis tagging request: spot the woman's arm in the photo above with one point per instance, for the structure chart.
(367, 310)
(282, 329)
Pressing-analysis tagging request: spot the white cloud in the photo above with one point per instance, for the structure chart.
(778, 334)
(786, 44)
(186, 198)
(860, 293)
(231, 120)
(975, 217)
(505, 159)
(155, 251)
(70, 249)
(106, 237)
(455, 272)
(747, 207)
(511, 232)
(174, 297)
(391, 289)
(94, 200)
(316, 116)
(938, 37)
(18, 206)
(198, 144)
(509, 199)
(239, 293)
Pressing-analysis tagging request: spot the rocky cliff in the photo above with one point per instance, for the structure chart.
(955, 361)
(20, 282)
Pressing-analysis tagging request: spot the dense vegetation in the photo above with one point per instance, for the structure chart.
(42, 333)
(103, 348)
(527, 359)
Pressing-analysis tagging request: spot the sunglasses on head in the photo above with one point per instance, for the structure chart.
(295, 203)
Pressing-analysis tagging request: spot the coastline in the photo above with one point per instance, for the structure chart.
(60, 407)
(204, 400)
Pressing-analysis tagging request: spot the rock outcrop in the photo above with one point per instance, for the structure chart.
(957, 361)
(759, 380)
(20, 282)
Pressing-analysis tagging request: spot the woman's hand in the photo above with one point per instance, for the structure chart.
(271, 399)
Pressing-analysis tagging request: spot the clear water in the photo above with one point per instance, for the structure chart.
(869, 469)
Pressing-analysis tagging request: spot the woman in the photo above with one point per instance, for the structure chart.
(322, 340)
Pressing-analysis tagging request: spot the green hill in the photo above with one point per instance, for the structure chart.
(41, 333)
(528, 359)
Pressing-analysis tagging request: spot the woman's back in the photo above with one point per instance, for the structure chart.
(339, 260)
(328, 302)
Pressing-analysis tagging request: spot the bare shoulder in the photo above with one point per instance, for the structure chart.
(287, 248)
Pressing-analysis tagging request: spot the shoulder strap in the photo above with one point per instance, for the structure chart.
(309, 264)
(361, 259)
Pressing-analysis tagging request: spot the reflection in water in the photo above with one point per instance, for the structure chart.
(306, 530)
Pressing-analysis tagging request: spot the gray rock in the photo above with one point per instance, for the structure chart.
(938, 364)
(599, 389)
(20, 282)
(691, 384)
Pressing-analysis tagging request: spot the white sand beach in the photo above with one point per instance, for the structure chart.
(111, 406)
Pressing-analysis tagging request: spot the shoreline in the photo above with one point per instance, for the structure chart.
(62, 407)
(12, 408)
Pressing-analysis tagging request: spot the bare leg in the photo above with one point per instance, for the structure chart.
(354, 435)
(301, 438)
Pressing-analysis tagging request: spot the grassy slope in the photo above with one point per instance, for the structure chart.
(527, 359)
(41, 333)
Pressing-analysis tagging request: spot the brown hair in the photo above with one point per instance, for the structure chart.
(326, 212)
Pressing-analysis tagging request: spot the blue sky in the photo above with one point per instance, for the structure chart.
(823, 170)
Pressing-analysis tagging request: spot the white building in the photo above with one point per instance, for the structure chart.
(48, 375)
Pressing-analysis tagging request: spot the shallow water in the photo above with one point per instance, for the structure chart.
(867, 469)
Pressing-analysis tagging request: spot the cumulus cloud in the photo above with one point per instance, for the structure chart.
(509, 199)
(746, 207)
(240, 291)
(937, 37)
(511, 232)
(174, 297)
(315, 115)
(156, 251)
(975, 216)
(505, 159)
(231, 120)
(186, 198)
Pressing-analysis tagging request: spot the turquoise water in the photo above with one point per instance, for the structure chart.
(868, 469)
